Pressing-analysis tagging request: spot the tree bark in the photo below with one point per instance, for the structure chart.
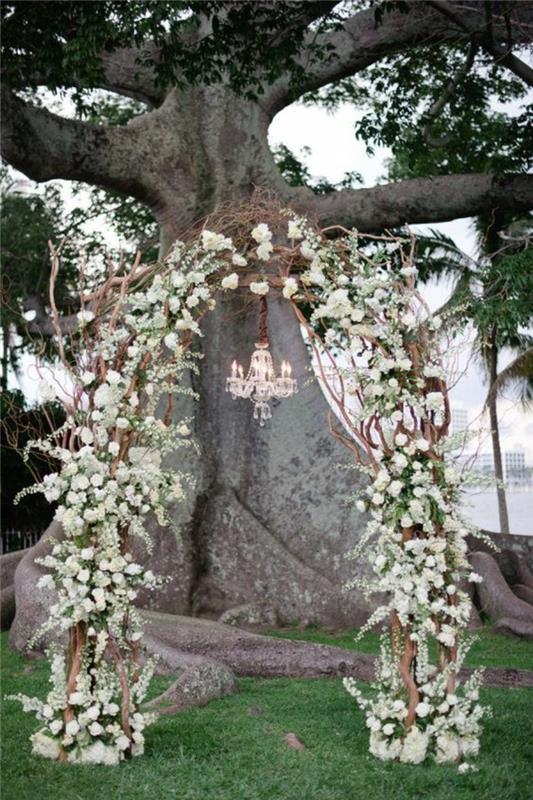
(492, 357)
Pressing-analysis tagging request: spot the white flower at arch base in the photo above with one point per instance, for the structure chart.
(112, 475)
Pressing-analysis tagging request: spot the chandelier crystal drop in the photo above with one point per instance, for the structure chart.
(261, 383)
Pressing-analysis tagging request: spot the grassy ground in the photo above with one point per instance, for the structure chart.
(225, 752)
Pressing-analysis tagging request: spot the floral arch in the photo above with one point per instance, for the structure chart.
(377, 354)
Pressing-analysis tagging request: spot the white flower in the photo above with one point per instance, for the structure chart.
(261, 233)
(55, 726)
(422, 709)
(44, 745)
(475, 578)
(47, 392)
(95, 729)
(86, 436)
(30, 315)
(293, 231)
(447, 748)
(409, 320)
(264, 251)
(259, 287)
(230, 281)
(123, 742)
(171, 341)
(45, 582)
(238, 260)
(401, 439)
(290, 287)
(114, 448)
(388, 729)
(72, 727)
(414, 746)
(85, 316)
(361, 505)
(307, 251)
(87, 377)
(215, 241)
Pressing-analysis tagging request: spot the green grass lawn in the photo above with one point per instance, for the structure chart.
(224, 752)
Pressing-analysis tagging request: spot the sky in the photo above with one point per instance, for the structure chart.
(334, 150)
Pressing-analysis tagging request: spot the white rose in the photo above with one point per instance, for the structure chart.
(264, 251)
(307, 251)
(95, 729)
(55, 726)
(47, 392)
(293, 231)
(290, 287)
(114, 448)
(84, 317)
(230, 281)
(259, 287)
(171, 341)
(215, 241)
(123, 742)
(261, 233)
(72, 727)
(238, 260)
(86, 436)
(422, 709)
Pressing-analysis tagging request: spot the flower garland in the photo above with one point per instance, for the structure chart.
(388, 388)
(391, 399)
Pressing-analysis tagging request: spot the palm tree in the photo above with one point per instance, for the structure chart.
(493, 292)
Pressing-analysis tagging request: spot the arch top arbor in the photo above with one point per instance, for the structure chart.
(377, 357)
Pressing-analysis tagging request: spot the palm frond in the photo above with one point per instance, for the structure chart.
(518, 374)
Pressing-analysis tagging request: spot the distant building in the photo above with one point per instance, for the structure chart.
(459, 422)
(515, 471)
(514, 467)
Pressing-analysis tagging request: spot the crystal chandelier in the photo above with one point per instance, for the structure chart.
(261, 384)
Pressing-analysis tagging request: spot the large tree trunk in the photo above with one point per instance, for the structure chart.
(267, 520)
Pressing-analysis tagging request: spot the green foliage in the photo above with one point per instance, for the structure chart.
(225, 751)
(28, 223)
(507, 291)
(493, 292)
(51, 42)
(396, 94)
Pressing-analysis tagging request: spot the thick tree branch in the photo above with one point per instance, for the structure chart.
(419, 200)
(360, 42)
(127, 74)
(45, 146)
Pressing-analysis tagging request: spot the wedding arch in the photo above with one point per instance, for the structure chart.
(376, 351)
